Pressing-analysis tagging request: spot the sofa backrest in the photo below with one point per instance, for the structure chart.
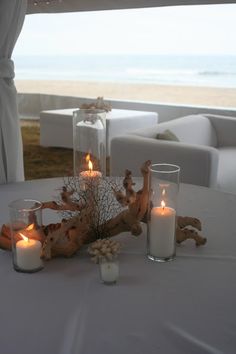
(193, 129)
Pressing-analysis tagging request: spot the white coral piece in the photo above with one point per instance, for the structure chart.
(104, 249)
(98, 104)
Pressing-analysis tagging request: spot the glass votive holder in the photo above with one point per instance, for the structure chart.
(109, 271)
(26, 235)
(161, 225)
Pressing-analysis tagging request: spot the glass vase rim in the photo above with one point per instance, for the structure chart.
(175, 169)
(37, 204)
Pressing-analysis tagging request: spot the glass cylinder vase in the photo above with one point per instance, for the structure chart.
(89, 143)
(161, 226)
(26, 235)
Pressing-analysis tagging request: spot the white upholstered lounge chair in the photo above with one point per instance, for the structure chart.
(206, 150)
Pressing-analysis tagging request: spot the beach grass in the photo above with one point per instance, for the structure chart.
(43, 162)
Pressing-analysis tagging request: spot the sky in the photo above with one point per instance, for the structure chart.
(206, 29)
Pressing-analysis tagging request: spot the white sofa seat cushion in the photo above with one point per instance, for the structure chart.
(226, 179)
(195, 129)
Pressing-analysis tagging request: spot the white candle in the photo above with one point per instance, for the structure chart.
(28, 254)
(90, 174)
(88, 179)
(162, 232)
(109, 271)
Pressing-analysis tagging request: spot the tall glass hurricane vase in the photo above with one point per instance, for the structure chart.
(89, 142)
(164, 186)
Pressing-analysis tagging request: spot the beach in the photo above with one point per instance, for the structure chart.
(186, 95)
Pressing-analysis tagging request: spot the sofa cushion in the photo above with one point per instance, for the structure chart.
(167, 135)
(226, 178)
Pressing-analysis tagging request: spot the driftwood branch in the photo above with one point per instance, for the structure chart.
(137, 202)
(183, 232)
(66, 204)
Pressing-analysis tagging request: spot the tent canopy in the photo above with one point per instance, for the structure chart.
(56, 6)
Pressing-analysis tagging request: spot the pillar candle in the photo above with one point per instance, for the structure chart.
(162, 232)
(28, 254)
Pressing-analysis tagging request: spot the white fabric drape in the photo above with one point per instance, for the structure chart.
(12, 14)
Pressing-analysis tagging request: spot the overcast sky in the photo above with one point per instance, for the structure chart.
(166, 30)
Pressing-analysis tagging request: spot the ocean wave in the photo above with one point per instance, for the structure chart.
(216, 73)
(178, 72)
(161, 72)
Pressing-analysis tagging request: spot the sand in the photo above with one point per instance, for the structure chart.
(190, 95)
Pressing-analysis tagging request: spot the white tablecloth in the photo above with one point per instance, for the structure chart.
(184, 306)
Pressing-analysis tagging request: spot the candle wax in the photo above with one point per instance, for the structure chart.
(162, 232)
(28, 254)
(90, 174)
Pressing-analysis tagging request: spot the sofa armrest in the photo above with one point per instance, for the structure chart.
(198, 164)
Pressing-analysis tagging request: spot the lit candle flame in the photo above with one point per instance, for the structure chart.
(90, 166)
(163, 204)
(24, 237)
(87, 158)
(30, 227)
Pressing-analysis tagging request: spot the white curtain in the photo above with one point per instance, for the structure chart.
(12, 14)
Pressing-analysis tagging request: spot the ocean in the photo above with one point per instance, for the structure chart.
(207, 71)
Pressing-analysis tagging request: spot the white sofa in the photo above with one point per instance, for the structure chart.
(206, 151)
